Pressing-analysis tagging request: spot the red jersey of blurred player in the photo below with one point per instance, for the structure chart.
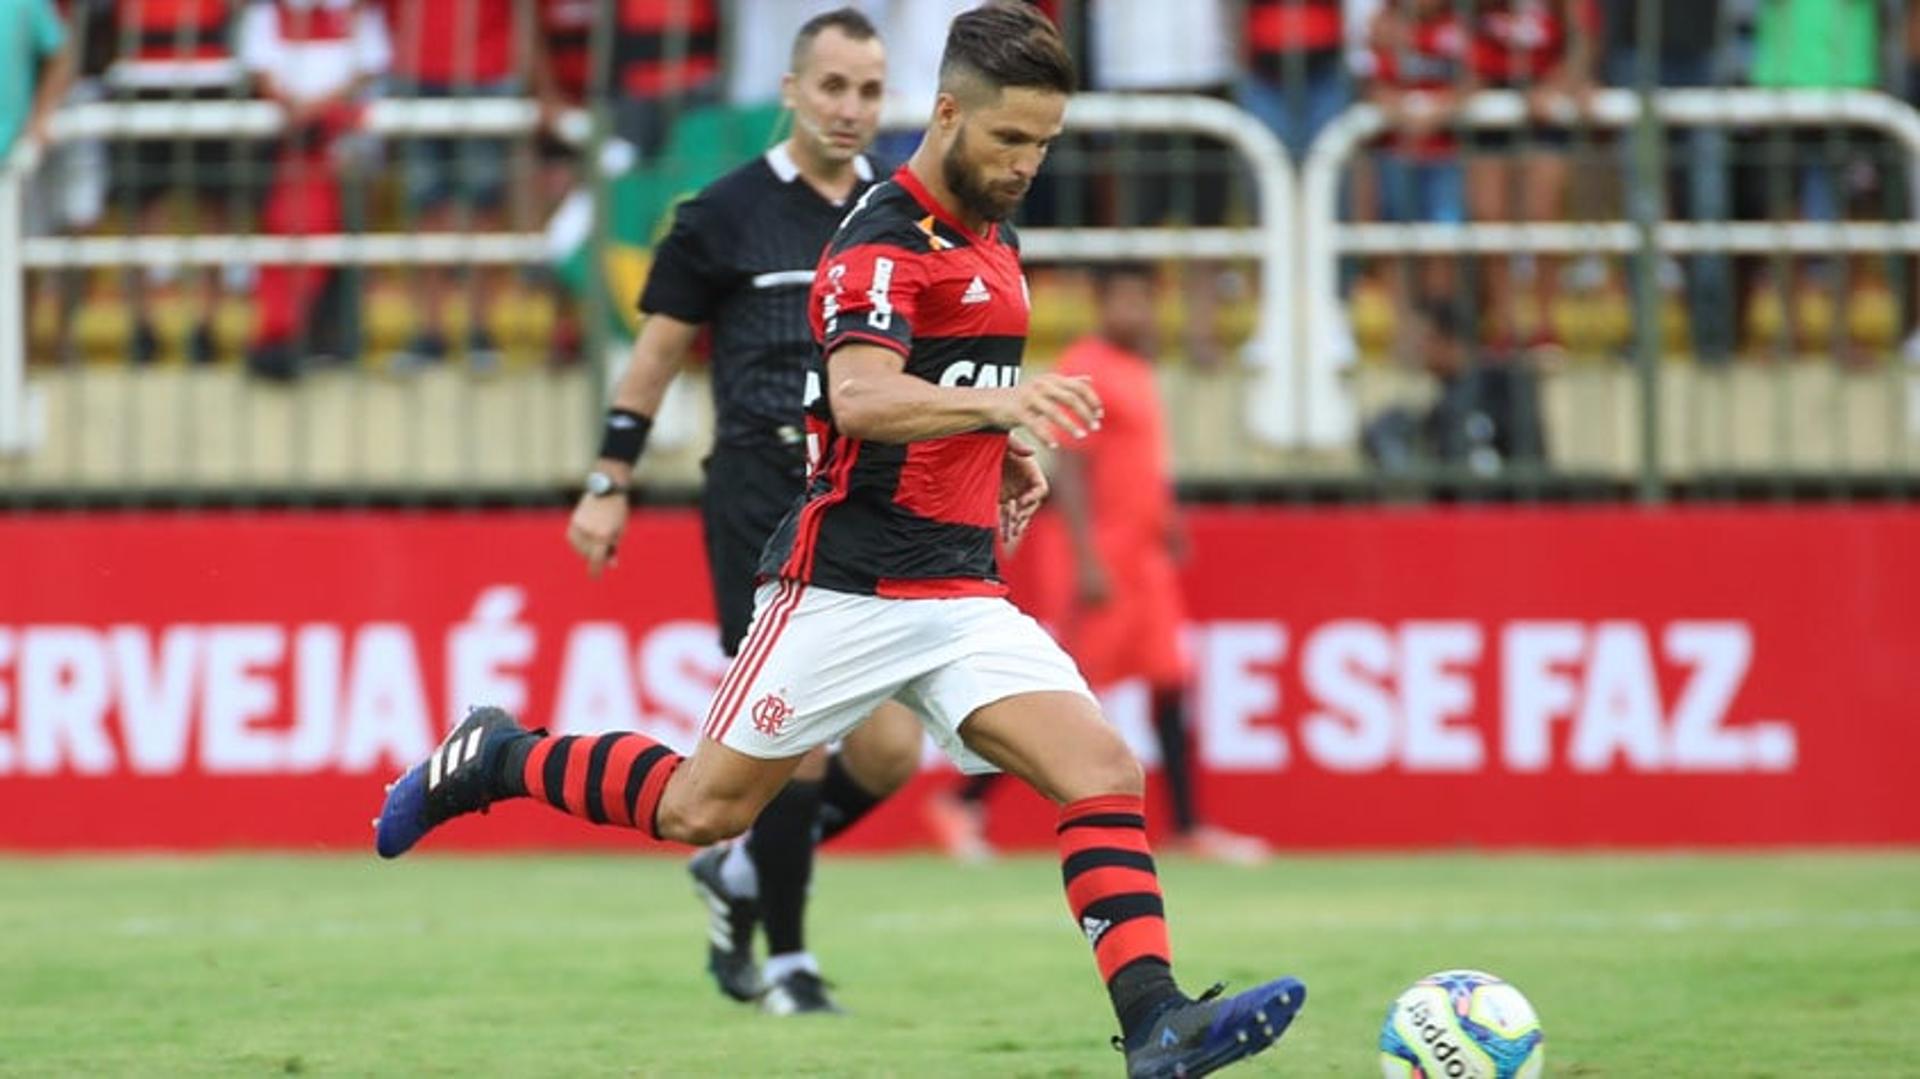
(1115, 493)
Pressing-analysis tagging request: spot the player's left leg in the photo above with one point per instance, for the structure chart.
(1059, 743)
(770, 870)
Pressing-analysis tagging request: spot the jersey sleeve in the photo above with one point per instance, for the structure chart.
(869, 293)
(690, 274)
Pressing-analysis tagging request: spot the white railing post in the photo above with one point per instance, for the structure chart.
(19, 406)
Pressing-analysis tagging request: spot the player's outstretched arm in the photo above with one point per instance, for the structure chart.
(875, 400)
(658, 355)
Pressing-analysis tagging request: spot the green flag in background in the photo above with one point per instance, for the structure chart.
(706, 142)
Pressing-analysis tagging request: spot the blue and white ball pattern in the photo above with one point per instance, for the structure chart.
(1462, 1024)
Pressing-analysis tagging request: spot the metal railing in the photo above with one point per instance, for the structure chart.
(21, 428)
(1325, 239)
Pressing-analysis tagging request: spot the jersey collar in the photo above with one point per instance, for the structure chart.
(905, 178)
(788, 170)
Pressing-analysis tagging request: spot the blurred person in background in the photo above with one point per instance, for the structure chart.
(562, 77)
(36, 68)
(1297, 78)
(1114, 490)
(1812, 45)
(1485, 417)
(1420, 81)
(1160, 178)
(1542, 48)
(1688, 57)
(455, 50)
(179, 50)
(315, 59)
(738, 261)
(1911, 53)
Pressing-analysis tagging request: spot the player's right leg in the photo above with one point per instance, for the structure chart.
(1059, 743)
(620, 778)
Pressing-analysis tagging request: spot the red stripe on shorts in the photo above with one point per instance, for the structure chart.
(747, 667)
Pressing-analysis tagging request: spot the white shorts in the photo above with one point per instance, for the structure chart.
(816, 662)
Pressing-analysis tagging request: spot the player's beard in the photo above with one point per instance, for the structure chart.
(988, 202)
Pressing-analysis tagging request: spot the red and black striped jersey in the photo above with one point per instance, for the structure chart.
(914, 520)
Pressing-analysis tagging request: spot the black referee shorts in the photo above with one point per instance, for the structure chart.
(748, 492)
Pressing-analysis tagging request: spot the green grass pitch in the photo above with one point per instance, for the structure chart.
(1763, 965)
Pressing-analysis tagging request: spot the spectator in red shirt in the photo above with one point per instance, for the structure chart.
(454, 49)
(1420, 81)
(1115, 496)
(1297, 79)
(1542, 48)
(315, 59)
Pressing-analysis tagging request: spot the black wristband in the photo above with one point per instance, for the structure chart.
(625, 435)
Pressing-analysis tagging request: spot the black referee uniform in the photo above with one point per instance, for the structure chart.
(740, 259)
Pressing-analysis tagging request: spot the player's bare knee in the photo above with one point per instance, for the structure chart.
(704, 822)
(883, 769)
(891, 772)
(1104, 767)
(1124, 774)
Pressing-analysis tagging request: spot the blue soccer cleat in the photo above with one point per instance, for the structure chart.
(455, 779)
(1197, 1037)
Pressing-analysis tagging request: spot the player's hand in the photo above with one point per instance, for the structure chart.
(1092, 586)
(594, 531)
(1023, 487)
(1052, 407)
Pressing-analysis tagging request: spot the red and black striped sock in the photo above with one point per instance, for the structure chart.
(614, 778)
(1114, 894)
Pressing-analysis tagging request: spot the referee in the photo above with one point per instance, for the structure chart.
(740, 260)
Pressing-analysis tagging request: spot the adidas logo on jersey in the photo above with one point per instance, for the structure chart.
(976, 292)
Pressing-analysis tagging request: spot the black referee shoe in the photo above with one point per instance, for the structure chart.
(730, 923)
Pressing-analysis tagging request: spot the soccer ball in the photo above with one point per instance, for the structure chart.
(1461, 1024)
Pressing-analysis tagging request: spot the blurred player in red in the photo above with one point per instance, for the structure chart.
(1124, 613)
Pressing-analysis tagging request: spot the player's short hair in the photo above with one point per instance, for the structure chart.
(847, 20)
(1107, 273)
(1005, 43)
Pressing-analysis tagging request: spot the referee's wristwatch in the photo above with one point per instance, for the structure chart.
(601, 485)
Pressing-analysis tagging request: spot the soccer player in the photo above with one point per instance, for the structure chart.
(1114, 489)
(739, 258)
(881, 581)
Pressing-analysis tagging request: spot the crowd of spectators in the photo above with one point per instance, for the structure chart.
(1294, 64)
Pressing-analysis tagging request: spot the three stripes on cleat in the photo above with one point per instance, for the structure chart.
(451, 755)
